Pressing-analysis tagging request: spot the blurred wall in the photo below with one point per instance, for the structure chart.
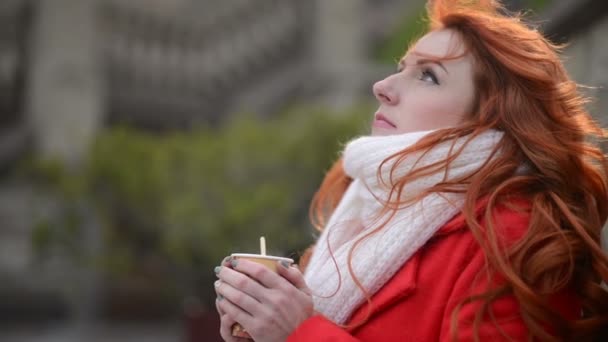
(64, 94)
(586, 58)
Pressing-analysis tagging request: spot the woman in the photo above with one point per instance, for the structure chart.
(472, 212)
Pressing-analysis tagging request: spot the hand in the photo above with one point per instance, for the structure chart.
(225, 321)
(268, 305)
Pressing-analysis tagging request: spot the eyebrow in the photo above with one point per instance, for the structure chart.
(427, 61)
(422, 61)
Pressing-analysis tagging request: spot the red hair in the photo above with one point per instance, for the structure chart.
(523, 90)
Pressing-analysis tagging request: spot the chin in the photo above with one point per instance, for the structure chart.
(382, 131)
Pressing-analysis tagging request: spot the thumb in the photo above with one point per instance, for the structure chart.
(292, 274)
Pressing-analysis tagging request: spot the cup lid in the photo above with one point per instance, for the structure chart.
(260, 256)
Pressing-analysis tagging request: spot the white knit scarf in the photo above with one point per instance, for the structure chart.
(377, 258)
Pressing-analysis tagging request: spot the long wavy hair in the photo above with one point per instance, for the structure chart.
(523, 90)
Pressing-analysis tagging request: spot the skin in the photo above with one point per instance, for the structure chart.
(420, 96)
(423, 96)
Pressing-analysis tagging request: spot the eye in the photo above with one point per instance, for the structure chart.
(428, 75)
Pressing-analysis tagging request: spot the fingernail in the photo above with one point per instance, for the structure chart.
(233, 263)
(219, 297)
(285, 264)
(217, 269)
(226, 259)
(216, 283)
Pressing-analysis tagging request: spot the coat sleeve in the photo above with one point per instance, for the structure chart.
(319, 329)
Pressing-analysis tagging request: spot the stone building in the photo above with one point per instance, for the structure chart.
(68, 68)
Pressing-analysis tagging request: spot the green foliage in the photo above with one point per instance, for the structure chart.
(409, 29)
(414, 24)
(536, 5)
(191, 198)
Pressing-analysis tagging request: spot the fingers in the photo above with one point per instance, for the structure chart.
(219, 310)
(259, 272)
(240, 281)
(226, 323)
(226, 261)
(239, 298)
(235, 313)
(225, 326)
(293, 275)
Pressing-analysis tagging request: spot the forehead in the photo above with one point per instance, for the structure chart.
(440, 44)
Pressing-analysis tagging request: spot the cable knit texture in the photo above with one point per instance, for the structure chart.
(376, 259)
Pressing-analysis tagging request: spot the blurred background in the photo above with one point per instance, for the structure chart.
(141, 141)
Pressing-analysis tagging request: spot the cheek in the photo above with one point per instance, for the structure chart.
(434, 110)
(449, 109)
(431, 106)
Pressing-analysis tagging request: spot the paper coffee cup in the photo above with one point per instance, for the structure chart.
(267, 260)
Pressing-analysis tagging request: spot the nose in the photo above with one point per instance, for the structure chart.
(384, 92)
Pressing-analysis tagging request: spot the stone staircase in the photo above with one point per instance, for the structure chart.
(172, 69)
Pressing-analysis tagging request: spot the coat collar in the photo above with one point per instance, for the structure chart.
(403, 284)
(458, 222)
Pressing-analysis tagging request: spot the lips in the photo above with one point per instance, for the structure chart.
(380, 118)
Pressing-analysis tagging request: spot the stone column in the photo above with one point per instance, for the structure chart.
(339, 47)
(64, 106)
(64, 94)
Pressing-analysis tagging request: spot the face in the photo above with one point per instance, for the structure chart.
(424, 94)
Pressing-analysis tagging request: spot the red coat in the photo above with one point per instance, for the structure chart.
(416, 304)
